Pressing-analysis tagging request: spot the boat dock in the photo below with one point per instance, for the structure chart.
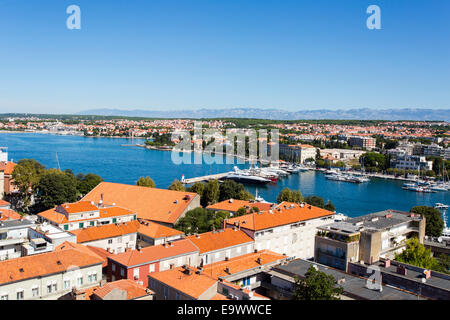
(205, 178)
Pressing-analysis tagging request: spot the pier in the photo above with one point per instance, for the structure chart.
(205, 178)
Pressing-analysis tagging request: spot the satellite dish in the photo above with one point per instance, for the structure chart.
(440, 239)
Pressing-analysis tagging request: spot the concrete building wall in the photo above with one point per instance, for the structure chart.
(230, 252)
(116, 244)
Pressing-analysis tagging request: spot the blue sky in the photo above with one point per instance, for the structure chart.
(168, 55)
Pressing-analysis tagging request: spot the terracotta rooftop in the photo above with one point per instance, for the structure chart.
(193, 285)
(215, 240)
(155, 230)
(45, 264)
(106, 231)
(7, 167)
(95, 252)
(7, 214)
(106, 212)
(284, 213)
(149, 203)
(242, 263)
(154, 253)
(234, 205)
(76, 207)
(4, 203)
(133, 289)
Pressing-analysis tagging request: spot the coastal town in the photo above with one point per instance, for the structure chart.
(207, 242)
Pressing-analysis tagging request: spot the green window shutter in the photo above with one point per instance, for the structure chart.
(92, 223)
(81, 225)
(114, 220)
(66, 227)
(134, 217)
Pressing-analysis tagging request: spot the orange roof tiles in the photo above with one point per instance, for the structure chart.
(215, 240)
(44, 264)
(154, 253)
(149, 203)
(283, 214)
(220, 296)
(81, 206)
(7, 167)
(133, 289)
(235, 205)
(4, 203)
(155, 230)
(242, 263)
(95, 252)
(7, 214)
(193, 285)
(107, 212)
(106, 231)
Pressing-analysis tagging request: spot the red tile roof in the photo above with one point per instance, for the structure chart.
(133, 289)
(215, 240)
(7, 214)
(4, 203)
(284, 213)
(7, 167)
(106, 231)
(234, 205)
(95, 252)
(44, 264)
(149, 203)
(154, 253)
(156, 231)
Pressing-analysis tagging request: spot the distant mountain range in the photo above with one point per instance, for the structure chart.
(277, 114)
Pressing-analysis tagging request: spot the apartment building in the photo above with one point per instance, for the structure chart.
(367, 238)
(159, 205)
(83, 214)
(367, 143)
(48, 276)
(342, 154)
(13, 233)
(51, 234)
(153, 234)
(137, 264)
(221, 245)
(114, 238)
(407, 162)
(287, 228)
(297, 152)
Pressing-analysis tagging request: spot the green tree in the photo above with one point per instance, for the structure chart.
(374, 161)
(330, 206)
(146, 182)
(55, 188)
(87, 182)
(177, 186)
(211, 193)
(219, 217)
(26, 176)
(417, 255)
(315, 201)
(434, 223)
(198, 220)
(240, 212)
(317, 285)
(198, 188)
(290, 196)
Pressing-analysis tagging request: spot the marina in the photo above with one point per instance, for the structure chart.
(106, 157)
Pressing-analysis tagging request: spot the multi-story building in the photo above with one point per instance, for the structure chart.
(6, 170)
(407, 162)
(13, 233)
(159, 205)
(137, 264)
(114, 238)
(222, 244)
(367, 143)
(51, 234)
(287, 228)
(297, 152)
(367, 238)
(48, 276)
(83, 214)
(342, 154)
(233, 205)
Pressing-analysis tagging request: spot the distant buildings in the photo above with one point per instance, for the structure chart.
(367, 143)
(407, 162)
(367, 238)
(6, 170)
(297, 152)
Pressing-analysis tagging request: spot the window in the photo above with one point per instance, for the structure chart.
(66, 227)
(119, 240)
(4, 297)
(80, 281)
(20, 295)
(122, 272)
(109, 241)
(35, 292)
(55, 287)
(94, 276)
(114, 220)
(136, 273)
(67, 284)
(166, 292)
(81, 225)
(113, 267)
(151, 268)
(92, 223)
(89, 278)
(49, 288)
